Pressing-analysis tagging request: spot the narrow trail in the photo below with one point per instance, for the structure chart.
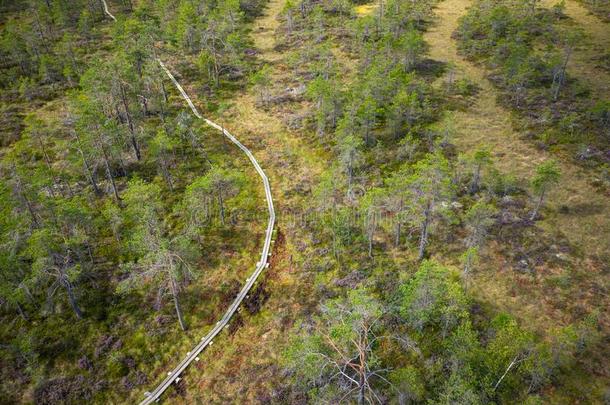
(108, 13)
(486, 122)
(294, 164)
(262, 264)
(265, 124)
(264, 31)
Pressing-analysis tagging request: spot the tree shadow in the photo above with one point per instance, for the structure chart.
(582, 210)
(430, 68)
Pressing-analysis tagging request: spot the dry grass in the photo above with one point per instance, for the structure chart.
(583, 64)
(292, 164)
(264, 28)
(575, 210)
(486, 122)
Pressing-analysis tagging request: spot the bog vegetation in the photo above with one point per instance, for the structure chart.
(127, 226)
(529, 53)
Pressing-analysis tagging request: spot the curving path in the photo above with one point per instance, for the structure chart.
(107, 11)
(173, 376)
(261, 265)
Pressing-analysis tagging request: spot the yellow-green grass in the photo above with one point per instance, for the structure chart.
(575, 209)
(584, 63)
(366, 9)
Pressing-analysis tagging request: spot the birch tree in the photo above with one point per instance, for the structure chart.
(372, 205)
(567, 42)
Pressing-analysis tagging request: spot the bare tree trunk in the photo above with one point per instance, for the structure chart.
(30, 208)
(43, 39)
(398, 226)
(538, 205)
(512, 363)
(371, 225)
(165, 171)
(133, 139)
(144, 105)
(474, 187)
(164, 91)
(118, 114)
(467, 265)
(72, 300)
(216, 68)
(222, 208)
(177, 304)
(397, 234)
(561, 75)
(289, 21)
(423, 239)
(109, 174)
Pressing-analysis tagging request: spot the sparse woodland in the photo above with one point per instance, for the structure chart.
(407, 268)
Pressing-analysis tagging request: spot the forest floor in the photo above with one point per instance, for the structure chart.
(575, 210)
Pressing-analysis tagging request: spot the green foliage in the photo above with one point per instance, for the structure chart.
(528, 53)
(470, 258)
(433, 299)
(85, 222)
(502, 184)
(409, 383)
(478, 220)
(327, 96)
(68, 246)
(458, 390)
(346, 329)
(207, 198)
(162, 263)
(547, 175)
